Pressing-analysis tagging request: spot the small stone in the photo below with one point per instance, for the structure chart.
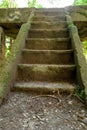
(70, 111)
(34, 117)
(45, 110)
(1, 119)
(85, 120)
(70, 102)
(77, 113)
(46, 119)
(75, 117)
(42, 122)
(54, 91)
(71, 127)
(56, 111)
(50, 103)
(82, 111)
(82, 124)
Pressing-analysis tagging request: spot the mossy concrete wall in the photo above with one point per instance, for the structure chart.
(79, 18)
(8, 73)
(81, 65)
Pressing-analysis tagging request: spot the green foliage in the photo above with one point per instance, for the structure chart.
(6, 4)
(7, 52)
(80, 2)
(79, 93)
(33, 3)
(84, 47)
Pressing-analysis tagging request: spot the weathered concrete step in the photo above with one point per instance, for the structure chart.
(50, 73)
(43, 87)
(50, 10)
(53, 18)
(60, 10)
(50, 13)
(48, 25)
(47, 56)
(48, 44)
(48, 33)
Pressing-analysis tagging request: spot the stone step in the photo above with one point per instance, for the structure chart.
(48, 33)
(48, 44)
(50, 73)
(50, 10)
(51, 19)
(47, 56)
(60, 10)
(43, 87)
(48, 25)
(50, 13)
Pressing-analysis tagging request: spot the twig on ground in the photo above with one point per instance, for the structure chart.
(52, 96)
(59, 94)
(40, 118)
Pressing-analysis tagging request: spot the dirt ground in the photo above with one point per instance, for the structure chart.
(26, 112)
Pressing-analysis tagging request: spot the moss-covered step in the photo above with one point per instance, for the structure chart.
(48, 43)
(49, 18)
(43, 87)
(51, 73)
(47, 56)
(48, 33)
(50, 13)
(48, 25)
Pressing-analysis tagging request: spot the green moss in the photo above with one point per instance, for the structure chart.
(80, 93)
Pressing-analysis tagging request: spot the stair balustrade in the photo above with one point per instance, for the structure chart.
(80, 61)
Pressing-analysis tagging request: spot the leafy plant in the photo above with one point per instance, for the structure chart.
(33, 3)
(80, 94)
(7, 3)
(84, 47)
(80, 2)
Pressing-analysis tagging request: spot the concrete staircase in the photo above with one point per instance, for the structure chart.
(47, 61)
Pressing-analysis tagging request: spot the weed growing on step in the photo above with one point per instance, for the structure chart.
(80, 94)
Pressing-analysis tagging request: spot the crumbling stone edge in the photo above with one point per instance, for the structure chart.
(9, 69)
(81, 66)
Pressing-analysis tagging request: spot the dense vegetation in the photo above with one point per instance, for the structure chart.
(33, 3)
(12, 3)
(7, 3)
(84, 45)
(80, 2)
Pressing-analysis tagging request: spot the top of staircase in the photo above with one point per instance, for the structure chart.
(11, 19)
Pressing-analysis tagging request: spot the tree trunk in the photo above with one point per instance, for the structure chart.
(10, 3)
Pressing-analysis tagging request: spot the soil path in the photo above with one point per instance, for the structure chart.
(26, 112)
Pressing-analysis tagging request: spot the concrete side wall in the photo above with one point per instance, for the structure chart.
(78, 13)
(9, 71)
(81, 66)
(14, 15)
(79, 18)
